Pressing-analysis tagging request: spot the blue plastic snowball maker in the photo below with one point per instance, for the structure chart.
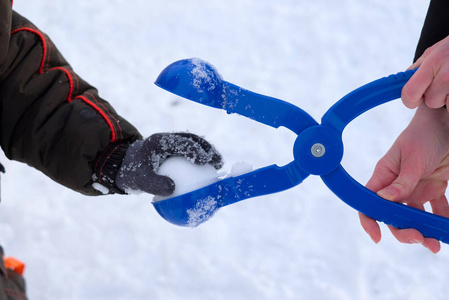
(318, 149)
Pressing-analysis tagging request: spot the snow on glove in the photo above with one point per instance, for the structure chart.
(143, 158)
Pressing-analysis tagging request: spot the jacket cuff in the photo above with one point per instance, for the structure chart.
(107, 166)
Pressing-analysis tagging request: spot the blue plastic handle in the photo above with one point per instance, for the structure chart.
(396, 214)
(364, 98)
(267, 110)
(352, 192)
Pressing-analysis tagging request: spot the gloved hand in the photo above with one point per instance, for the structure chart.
(143, 158)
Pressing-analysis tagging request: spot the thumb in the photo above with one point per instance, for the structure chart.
(402, 187)
(419, 61)
(423, 57)
(158, 185)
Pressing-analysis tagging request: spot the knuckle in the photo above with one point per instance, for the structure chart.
(428, 51)
(404, 185)
(433, 102)
(443, 75)
(408, 96)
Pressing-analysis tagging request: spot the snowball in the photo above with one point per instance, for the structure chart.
(240, 168)
(186, 175)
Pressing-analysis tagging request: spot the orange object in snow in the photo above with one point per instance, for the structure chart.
(14, 264)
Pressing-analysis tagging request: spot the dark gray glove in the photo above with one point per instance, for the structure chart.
(143, 158)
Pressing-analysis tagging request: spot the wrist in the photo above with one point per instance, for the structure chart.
(107, 166)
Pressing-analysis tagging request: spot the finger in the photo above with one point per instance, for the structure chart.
(432, 244)
(407, 236)
(166, 145)
(382, 176)
(416, 64)
(158, 185)
(425, 190)
(399, 190)
(440, 206)
(419, 61)
(436, 94)
(413, 91)
(404, 185)
(380, 179)
(424, 56)
(371, 227)
(413, 236)
(209, 155)
(195, 138)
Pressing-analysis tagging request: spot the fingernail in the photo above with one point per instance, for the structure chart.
(373, 240)
(414, 242)
(387, 193)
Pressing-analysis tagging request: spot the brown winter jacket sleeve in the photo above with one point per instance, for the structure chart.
(5, 27)
(50, 118)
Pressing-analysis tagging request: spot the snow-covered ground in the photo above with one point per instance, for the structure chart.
(303, 243)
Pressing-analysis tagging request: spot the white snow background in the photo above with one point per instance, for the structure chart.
(303, 243)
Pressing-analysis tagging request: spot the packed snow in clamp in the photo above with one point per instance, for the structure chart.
(318, 149)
